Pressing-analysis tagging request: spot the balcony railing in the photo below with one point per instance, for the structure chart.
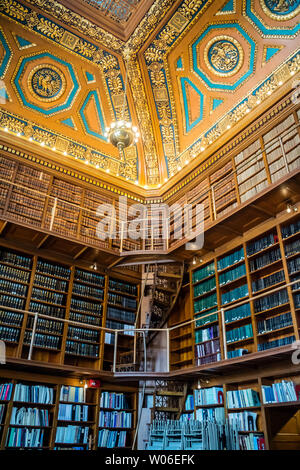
(69, 211)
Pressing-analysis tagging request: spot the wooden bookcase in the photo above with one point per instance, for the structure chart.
(66, 292)
(265, 259)
(91, 400)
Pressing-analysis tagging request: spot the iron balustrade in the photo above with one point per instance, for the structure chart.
(144, 331)
(150, 243)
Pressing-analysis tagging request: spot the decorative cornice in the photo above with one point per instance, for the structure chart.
(225, 151)
(155, 14)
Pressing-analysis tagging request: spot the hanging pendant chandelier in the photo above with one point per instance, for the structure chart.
(121, 134)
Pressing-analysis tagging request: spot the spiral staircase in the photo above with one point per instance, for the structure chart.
(164, 289)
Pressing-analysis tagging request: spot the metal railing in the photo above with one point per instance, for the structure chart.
(145, 331)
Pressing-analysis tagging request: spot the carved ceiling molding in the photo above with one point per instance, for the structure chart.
(155, 14)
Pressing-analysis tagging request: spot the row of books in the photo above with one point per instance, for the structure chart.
(87, 290)
(261, 243)
(281, 392)
(44, 267)
(244, 398)
(50, 282)
(265, 259)
(15, 260)
(70, 393)
(243, 421)
(276, 343)
(117, 299)
(5, 391)
(115, 419)
(232, 274)
(29, 416)
(293, 265)
(123, 315)
(44, 309)
(235, 294)
(111, 439)
(114, 400)
(13, 288)
(209, 396)
(72, 434)
(237, 353)
(48, 296)
(203, 272)
(86, 307)
(13, 302)
(205, 286)
(268, 281)
(114, 325)
(232, 258)
(292, 248)
(122, 287)
(211, 414)
(237, 313)
(82, 349)
(237, 334)
(25, 437)
(202, 320)
(291, 229)
(252, 442)
(2, 411)
(9, 334)
(90, 277)
(274, 323)
(206, 334)
(297, 300)
(14, 274)
(189, 403)
(73, 412)
(85, 318)
(42, 340)
(205, 303)
(83, 334)
(208, 359)
(33, 393)
(208, 348)
(271, 301)
(43, 324)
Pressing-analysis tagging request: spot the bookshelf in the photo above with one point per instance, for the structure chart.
(65, 292)
(120, 313)
(181, 338)
(55, 413)
(117, 420)
(250, 269)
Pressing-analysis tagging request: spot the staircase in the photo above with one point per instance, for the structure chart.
(169, 400)
(165, 290)
(165, 287)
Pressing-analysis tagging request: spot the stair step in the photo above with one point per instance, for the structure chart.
(168, 410)
(169, 393)
(174, 276)
(165, 289)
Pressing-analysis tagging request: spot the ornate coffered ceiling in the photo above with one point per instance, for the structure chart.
(197, 70)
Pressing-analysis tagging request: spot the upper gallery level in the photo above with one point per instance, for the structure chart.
(188, 75)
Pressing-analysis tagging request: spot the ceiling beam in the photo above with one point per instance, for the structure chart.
(262, 211)
(3, 224)
(80, 252)
(44, 239)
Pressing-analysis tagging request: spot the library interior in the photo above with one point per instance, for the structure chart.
(149, 225)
